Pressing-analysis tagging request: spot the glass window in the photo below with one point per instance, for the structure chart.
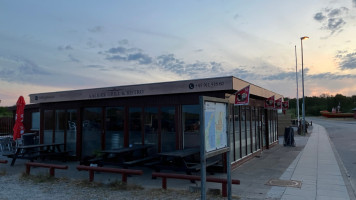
(35, 121)
(263, 128)
(270, 129)
(237, 133)
(168, 133)
(135, 132)
(60, 126)
(151, 127)
(191, 126)
(48, 127)
(231, 132)
(243, 131)
(72, 118)
(92, 128)
(248, 129)
(254, 120)
(114, 133)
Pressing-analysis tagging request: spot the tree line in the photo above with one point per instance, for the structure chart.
(313, 105)
(4, 112)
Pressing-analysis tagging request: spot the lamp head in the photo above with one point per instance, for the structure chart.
(304, 38)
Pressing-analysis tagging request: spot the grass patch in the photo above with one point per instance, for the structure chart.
(86, 183)
(40, 178)
(3, 172)
(154, 193)
(119, 185)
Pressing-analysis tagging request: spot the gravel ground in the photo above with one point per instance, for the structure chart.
(40, 187)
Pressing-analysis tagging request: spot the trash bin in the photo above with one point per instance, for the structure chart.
(28, 138)
(289, 137)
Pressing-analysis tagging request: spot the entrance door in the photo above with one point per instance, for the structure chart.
(92, 130)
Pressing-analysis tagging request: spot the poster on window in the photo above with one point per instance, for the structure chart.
(278, 103)
(269, 102)
(242, 96)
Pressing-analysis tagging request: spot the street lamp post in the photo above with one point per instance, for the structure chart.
(296, 78)
(303, 106)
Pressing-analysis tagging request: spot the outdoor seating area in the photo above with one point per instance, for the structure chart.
(6, 144)
(127, 156)
(36, 151)
(186, 160)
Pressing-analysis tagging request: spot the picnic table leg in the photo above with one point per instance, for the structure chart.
(224, 189)
(91, 175)
(164, 183)
(15, 157)
(51, 171)
(124, 177)
(28, 169)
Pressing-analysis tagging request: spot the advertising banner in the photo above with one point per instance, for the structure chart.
(269, 103)
(242, 97)
(278, 103)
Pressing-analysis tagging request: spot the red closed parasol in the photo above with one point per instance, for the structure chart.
(19, 129)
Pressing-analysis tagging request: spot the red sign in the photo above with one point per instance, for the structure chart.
(242, 97)
(269, 103)
(278, 103)
(19, 129)
(285, 105)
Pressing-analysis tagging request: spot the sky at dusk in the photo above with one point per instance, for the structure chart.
(48, 46)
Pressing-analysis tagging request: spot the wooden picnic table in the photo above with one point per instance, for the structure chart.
(124, 156)
(32, 152)
(178, 160)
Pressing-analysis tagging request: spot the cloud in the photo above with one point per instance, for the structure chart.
(140, 58)
(332, 19)
(127, 54)
(335, 24)
(91, 43)
(280, 76)
(124, 42)
(13, 69)
(25, 71)
(73, 59)
(170, 63)
(354, 2)
(97, 67)
(347, 60)
(331, 76)
(95, 29)
(65, 48)
(319, 16)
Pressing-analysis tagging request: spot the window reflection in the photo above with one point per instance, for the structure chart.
(191, 125)
(60, 126)
(48, 127)
(151, 128)
(114, 124)
(92, 128)
(71, 131)
(135, 132)
(168, 129)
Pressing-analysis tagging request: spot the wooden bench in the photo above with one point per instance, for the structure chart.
(195, 167)
(30, 156)
(62, 155)
(165, 176)
(124, 172)
(3, 161)
(139, 161)
(51, 167)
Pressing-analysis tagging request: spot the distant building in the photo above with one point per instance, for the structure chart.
(163, 114)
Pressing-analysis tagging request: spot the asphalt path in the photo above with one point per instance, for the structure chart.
(342, 133)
